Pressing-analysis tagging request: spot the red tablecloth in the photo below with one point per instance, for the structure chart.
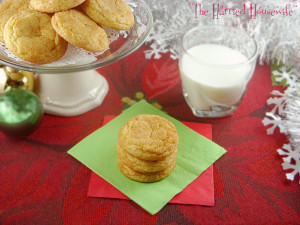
(41, 184)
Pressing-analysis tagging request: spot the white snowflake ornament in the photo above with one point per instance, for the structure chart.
(274, 121)
(155, 51)
(290, 156)
(174, 54)
(286, 151)
(285, 115)
(279, 102)
(289, 77)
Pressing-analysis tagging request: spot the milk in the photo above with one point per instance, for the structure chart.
(211, 77)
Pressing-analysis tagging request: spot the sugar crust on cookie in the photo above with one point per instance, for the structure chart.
(145, 177)
(31, 37)
(113, 14)
(54, 5)
(79, 30)
(9, 8)
(148, 137)
(145, 166)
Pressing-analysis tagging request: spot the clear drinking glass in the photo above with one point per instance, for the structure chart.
(216, 64)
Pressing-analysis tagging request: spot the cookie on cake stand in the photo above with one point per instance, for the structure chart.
(71, 86)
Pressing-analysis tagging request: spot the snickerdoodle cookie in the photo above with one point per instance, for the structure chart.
(79, 30)
(148, 137)
(31, 37)
(147, 148)
(145, 177)
(113, 14)
(8, 8)
(54, 5)
(145, 166)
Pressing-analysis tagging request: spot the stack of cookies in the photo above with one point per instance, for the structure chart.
(147, 148)
(39, 31)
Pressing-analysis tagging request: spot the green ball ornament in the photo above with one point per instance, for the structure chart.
(21, 112)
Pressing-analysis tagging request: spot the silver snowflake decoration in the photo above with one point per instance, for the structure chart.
(156, 32)
(174, 54)
(285, 115)
(289, 77)
(277, 37)
(279, 102)
(291, 161)
(156, 51)
(274, 121)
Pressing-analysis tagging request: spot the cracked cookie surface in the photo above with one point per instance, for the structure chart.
(54, 5)
(147, 148)
(148, 137)
(31, 37)
(145, 177)
(115, 14)
(145, 166)
(79, 30)
(9, 8)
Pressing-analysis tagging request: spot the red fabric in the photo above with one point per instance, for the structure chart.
(41, 184)
(199, 192)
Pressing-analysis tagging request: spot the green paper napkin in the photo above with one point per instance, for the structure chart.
(195, 154)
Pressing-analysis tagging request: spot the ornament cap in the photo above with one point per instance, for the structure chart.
(10, 76)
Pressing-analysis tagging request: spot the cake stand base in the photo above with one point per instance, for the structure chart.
(71, 94)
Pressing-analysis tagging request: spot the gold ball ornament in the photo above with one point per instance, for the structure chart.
(13, 77)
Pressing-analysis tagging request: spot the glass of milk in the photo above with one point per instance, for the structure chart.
(216, 64)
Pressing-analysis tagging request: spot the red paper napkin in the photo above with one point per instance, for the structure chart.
(199, 192)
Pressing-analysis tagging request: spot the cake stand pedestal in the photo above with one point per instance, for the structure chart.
(71, 94)
(66, 88)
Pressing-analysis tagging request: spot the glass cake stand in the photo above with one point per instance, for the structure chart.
(72, 86)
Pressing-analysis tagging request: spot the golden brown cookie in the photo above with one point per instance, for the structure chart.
(144, 177)
(148, 137)
(54, 5)
(79, 30)
(31, 37)
(8, 8)
(113, 14)
(145, 166)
